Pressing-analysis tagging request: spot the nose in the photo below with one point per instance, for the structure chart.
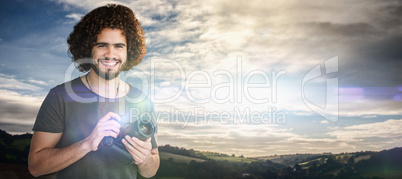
(110, 53)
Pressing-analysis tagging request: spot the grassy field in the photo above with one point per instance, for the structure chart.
(217, 156)
(178, 158)
(209, 155)
(233, 159)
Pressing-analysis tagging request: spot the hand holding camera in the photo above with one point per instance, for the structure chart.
(139, 150)
(142, 129)
(104, 127)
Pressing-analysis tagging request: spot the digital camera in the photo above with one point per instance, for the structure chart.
(142, 129)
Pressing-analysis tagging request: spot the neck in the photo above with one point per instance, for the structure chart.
(105, 88)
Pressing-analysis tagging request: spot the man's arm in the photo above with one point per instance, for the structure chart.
(145, 157)
(44, 158)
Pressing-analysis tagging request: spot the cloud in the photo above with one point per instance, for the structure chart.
(37, 82)
(18, 111)
(75, 17)
(225, 138)
(248, 140)
(19, 103)
(9, 82)
(388, 129)
(370, 107)
(369, 116)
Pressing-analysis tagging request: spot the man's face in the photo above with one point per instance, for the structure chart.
(109, 53)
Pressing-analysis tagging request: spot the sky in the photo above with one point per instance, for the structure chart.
(252, 78)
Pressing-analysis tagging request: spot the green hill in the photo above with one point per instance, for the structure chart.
(203, 155)
(225, 157)
(178, 158)
(179, 162)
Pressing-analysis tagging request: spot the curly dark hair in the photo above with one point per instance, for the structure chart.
(84, 35)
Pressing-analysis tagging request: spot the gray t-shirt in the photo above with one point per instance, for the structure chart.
(74, 110)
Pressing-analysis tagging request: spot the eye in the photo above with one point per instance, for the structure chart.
(101, 45)
(119, 46)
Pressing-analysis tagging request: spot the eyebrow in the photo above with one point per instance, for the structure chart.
(104, 43)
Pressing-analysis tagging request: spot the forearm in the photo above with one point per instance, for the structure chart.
(44, 158)
(150, 167)
(50, 160)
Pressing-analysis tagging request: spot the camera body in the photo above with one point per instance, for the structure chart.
(142, 129)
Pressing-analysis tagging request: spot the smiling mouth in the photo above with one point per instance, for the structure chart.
(107, 62)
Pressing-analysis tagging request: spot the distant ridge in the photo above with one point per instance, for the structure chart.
(179, 162)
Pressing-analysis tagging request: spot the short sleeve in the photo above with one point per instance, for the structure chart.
(50, 116)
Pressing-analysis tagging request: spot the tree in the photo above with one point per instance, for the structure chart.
(201, 173)
(8, 140)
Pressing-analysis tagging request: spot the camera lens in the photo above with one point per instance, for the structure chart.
(143, 129)
(146, 128)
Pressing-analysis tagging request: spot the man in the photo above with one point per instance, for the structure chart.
(77, 115)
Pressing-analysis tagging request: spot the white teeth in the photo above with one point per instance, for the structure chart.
(109, 64)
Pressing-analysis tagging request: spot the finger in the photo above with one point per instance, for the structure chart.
(140, 142)
(133, 141)
(131, 149)
(114, 122)
(148, 140)
(113, 128)
(143, 147)
(143, 144)
(109, 133)
(106, 130)
(114, 115)
(104, 118)
(129, 140)
(113, 134)
(139, 155)
(111, 123)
